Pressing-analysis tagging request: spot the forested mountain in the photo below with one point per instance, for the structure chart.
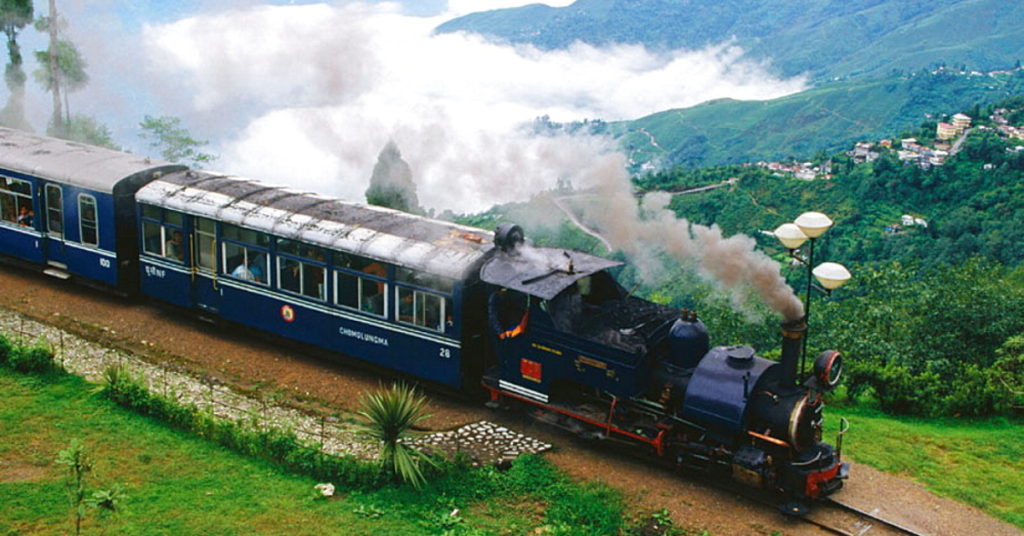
(823, 38)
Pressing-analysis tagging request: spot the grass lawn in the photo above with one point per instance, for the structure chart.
(179, 484)
(973, 462)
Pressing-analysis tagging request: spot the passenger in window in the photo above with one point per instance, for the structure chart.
(405, 308)
(257, 269)
(314, 275)
(176, 247)
(242, 272)
(25, 217)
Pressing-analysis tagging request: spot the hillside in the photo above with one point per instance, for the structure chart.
(823, 38)
(826, 118)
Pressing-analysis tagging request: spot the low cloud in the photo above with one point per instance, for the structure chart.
(308, 95)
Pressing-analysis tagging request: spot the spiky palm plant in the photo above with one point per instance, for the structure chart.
(390, 414)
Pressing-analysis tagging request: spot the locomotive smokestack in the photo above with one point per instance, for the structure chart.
(793, 333)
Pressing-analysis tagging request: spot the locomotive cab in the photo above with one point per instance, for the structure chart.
(576, 325)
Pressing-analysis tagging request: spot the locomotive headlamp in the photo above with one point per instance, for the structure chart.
(828, 369)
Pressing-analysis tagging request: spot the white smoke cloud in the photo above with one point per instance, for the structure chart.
(334, 83)
(309, 94)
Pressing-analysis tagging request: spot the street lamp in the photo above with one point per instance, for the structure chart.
(830, 275)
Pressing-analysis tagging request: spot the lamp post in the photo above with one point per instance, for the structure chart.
(811, 226)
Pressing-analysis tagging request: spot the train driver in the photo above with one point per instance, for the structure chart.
(506, 314)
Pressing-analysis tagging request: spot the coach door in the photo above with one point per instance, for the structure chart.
(205, 287)
(53, 218)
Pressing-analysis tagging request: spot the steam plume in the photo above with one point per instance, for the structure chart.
(646, 233)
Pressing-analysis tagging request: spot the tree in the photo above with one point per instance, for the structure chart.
(174, 142)
(14, 16)
(50, 24)
(71, 71)
(86, 129)
(63, 70)
(391, 184)
(79, 465)
(75, 459)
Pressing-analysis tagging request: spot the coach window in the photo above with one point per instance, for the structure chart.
(423, 299)
(246, 254)
(206, 243)
(163, 233)
(54, 210)
(88, 226)
(301, 269)
(16, 201)
(360, 283)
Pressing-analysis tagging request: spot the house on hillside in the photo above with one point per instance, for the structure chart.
(863, 152)
(945, 131)
(961, 122)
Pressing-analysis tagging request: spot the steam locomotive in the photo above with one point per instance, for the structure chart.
(445, 303)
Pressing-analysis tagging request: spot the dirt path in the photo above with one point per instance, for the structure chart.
(237, 358)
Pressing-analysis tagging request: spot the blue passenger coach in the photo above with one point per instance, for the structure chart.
(369, 282)
(69, 207)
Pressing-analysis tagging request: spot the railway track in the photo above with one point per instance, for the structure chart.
(847, 520)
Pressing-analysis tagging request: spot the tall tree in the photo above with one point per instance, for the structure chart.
(63, 71)
(391, 184)
(14, 16)
(71, 75)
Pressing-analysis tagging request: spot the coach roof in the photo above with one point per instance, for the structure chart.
(433, 246)
(69, 162)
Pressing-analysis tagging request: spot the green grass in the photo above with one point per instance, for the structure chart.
(973, 462)
(180, 484)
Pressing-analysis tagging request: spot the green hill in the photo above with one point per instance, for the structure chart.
(827, 118)
(824, 38)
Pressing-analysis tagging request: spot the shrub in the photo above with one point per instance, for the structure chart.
(5, 349)
(390, 415)
(35, 359)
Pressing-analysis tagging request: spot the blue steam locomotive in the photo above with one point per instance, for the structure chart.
(450, 304)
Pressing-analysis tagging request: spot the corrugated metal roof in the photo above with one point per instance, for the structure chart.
(69, 162)
(433, 246)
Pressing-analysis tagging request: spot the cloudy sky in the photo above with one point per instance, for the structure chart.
(308, 93)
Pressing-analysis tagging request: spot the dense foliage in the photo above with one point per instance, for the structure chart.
(930, 341)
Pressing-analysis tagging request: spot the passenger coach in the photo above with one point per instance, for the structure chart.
(374, 283)
(69, 208)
